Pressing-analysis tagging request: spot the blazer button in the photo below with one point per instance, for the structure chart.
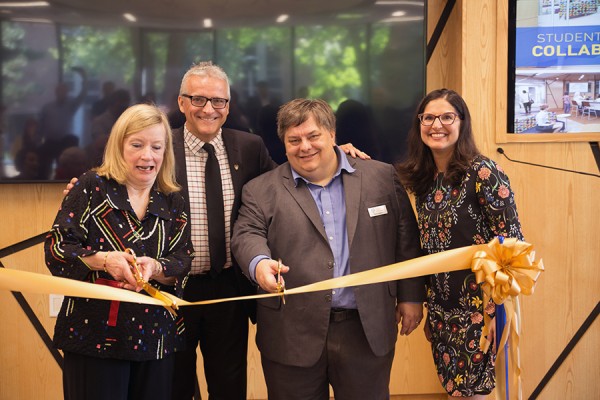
(328, 298)
(330, 264)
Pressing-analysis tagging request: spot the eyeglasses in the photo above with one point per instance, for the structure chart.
(445, 118)
(200, 101)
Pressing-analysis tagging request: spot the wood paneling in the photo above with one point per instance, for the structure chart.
(558, 210)
(441, 73)
(28, 369)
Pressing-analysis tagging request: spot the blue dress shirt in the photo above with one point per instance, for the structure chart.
(331, 203)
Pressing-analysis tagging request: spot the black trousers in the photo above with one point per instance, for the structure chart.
(222, 332)
(94, 378)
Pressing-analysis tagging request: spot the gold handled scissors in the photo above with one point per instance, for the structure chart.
(280, 285)
(170, 304)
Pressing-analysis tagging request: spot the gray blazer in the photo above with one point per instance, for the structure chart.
(281, 220)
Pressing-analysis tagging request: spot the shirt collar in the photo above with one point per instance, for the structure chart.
(118, 197)
(343, 165)
(195, 144)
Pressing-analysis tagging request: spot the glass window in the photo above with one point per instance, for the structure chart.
(68, 73)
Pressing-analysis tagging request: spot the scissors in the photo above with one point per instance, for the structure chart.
(280, 286)
(170, 304)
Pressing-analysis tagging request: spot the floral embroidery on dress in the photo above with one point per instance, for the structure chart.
(476, 210)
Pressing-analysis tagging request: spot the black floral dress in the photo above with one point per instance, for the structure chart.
(481, 207)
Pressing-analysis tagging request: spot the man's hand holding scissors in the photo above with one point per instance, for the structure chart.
(269, 277)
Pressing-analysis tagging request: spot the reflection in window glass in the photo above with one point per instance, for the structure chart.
(166, 57)
(64, 85)
(396, 64)
(29, 76)
(331, 61)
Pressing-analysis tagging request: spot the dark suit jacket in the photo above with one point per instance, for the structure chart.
(248, 158)
(281, 220)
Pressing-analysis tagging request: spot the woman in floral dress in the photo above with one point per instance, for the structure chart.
(462, 198)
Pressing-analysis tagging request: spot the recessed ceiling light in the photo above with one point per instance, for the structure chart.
(207, 23)
(401, 19)
(398, 13)
(399, 3)
(130, 17)
(24, 4)
(350, 16)
(282, 18)
(32, 20)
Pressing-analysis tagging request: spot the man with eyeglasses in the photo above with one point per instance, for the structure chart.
(326, 215)
(220, 329)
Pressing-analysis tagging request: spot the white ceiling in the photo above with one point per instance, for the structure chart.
(190, 14)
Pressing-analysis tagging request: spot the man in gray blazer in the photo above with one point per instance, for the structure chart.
(220, 330)
(325, 215)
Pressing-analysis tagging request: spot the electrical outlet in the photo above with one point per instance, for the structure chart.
(55, 303)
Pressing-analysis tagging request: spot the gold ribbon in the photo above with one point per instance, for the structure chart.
(169, 303)
(504, 270)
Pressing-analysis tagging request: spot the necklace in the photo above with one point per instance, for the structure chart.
(135, 232)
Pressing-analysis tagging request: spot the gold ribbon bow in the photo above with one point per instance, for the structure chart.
(505, 270)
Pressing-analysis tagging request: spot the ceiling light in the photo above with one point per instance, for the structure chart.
(399, 3)
(32, 20)
(400, 19)
(207, 23)
(24, 4)
(581, 77)
(282, 18)
(350, 16)
(130, 17)
(398, 13)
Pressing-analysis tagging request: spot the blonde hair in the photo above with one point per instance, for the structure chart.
(135, 119)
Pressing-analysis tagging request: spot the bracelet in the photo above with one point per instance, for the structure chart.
(159, 266)
(104, 265)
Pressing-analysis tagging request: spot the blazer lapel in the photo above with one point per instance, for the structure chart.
(233, 155)
(180, 164)
(232, 147)
(302, 195)
(352, 190)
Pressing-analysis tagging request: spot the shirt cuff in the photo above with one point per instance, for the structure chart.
(253, 264)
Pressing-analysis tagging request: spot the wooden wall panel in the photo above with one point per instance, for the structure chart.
(29, 370)
(441, 72)
(558, 210)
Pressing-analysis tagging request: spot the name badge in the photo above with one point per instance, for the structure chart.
(379, 210)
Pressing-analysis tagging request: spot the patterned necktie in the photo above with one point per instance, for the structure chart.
(215, 211)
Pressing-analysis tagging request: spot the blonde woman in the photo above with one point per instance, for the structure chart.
(111, 349)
